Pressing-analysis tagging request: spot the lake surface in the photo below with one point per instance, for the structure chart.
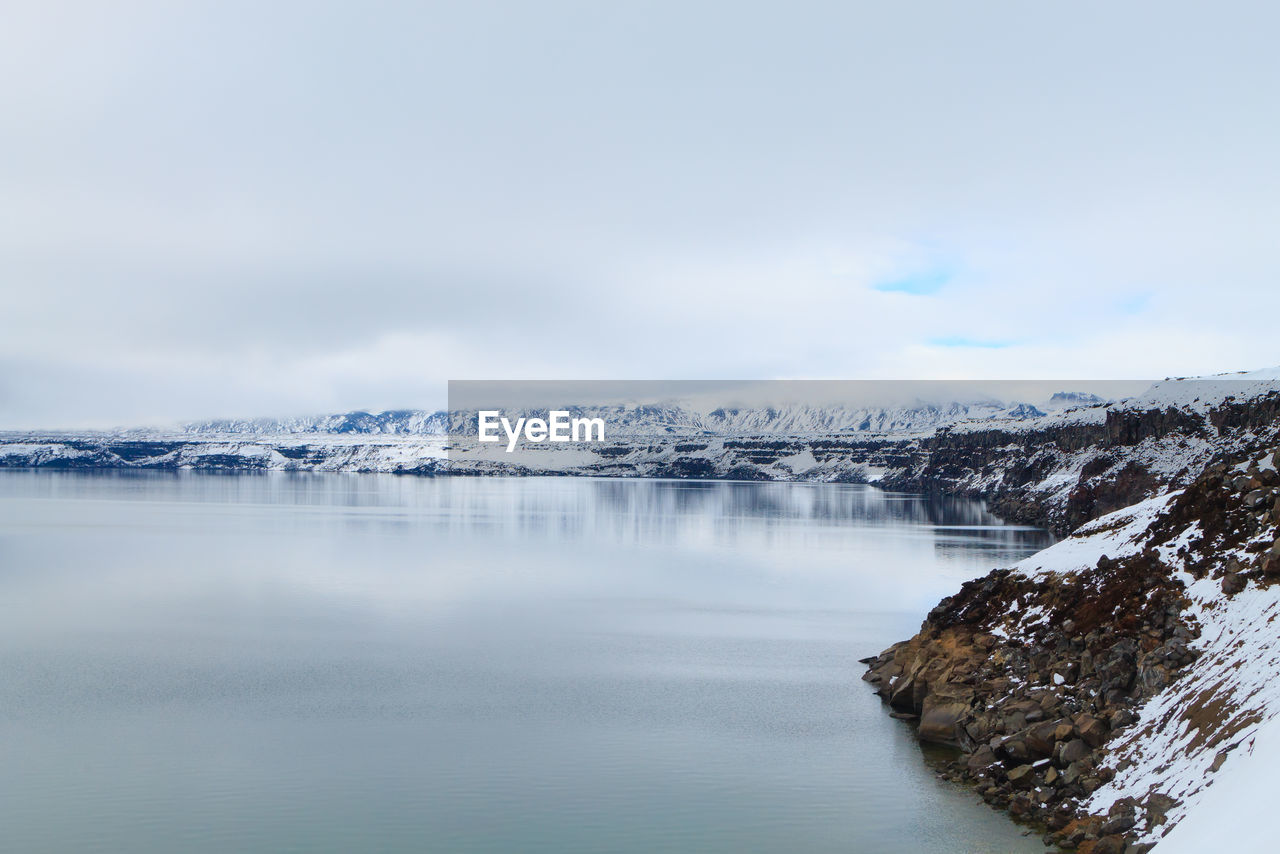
(324, 662)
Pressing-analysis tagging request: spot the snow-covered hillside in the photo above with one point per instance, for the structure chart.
(1100, 686)
(1219, 538)
(1064, 469)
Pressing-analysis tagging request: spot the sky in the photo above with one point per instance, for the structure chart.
(245, 208)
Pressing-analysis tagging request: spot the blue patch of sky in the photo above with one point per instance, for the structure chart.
(920, 284)
(1135, 304)
(965, 341)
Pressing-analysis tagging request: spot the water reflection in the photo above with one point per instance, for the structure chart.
(204, 662)
(559, 509)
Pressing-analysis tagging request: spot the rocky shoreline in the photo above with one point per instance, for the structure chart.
(1036, 675)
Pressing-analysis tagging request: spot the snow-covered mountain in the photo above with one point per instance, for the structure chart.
(669, 418)
(1059, 463)
(396, 422)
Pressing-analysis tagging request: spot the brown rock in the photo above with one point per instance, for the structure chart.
(1109, 845)
(1158, 807)
(940, 720)
(1040, 739)
(983, 757)
(977, 730)
(1015, 749)
(1121, 823)
(1091, 729)
(1073, 751)
(1022, 777)
(902, 694)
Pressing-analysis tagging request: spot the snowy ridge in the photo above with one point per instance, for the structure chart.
(1193, 395)
(652, 420)
(298, 452)
(415, 422)
(1066, 468)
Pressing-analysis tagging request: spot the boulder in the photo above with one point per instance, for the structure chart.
(1073, 751)
(1119, 663)
(1153, 678)
(1113, 844)
(1233, 583)
(1041, 738)
(1122, 718)
(940, 720)
(983, 757)
(1158, 807)
(1023, 777)
(1015, 749)
(1119, 823)
(1091, 729)
(902, 694)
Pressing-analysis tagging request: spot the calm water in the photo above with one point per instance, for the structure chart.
(271, 663)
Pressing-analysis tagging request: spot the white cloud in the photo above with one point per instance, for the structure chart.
(234, 208)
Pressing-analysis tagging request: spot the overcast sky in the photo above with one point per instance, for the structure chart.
(235, 209)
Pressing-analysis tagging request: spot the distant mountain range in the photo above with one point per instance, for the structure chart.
(641, 420)
(403, 422)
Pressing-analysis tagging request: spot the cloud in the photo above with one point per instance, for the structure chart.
(337, 207)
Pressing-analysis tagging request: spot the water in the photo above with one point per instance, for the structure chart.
(272, 663)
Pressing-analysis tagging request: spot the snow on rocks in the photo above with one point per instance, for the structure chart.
(1097, 688)
(1068, 468)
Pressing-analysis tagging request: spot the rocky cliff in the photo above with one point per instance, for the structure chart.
(1064, 470)
(1097, 687)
